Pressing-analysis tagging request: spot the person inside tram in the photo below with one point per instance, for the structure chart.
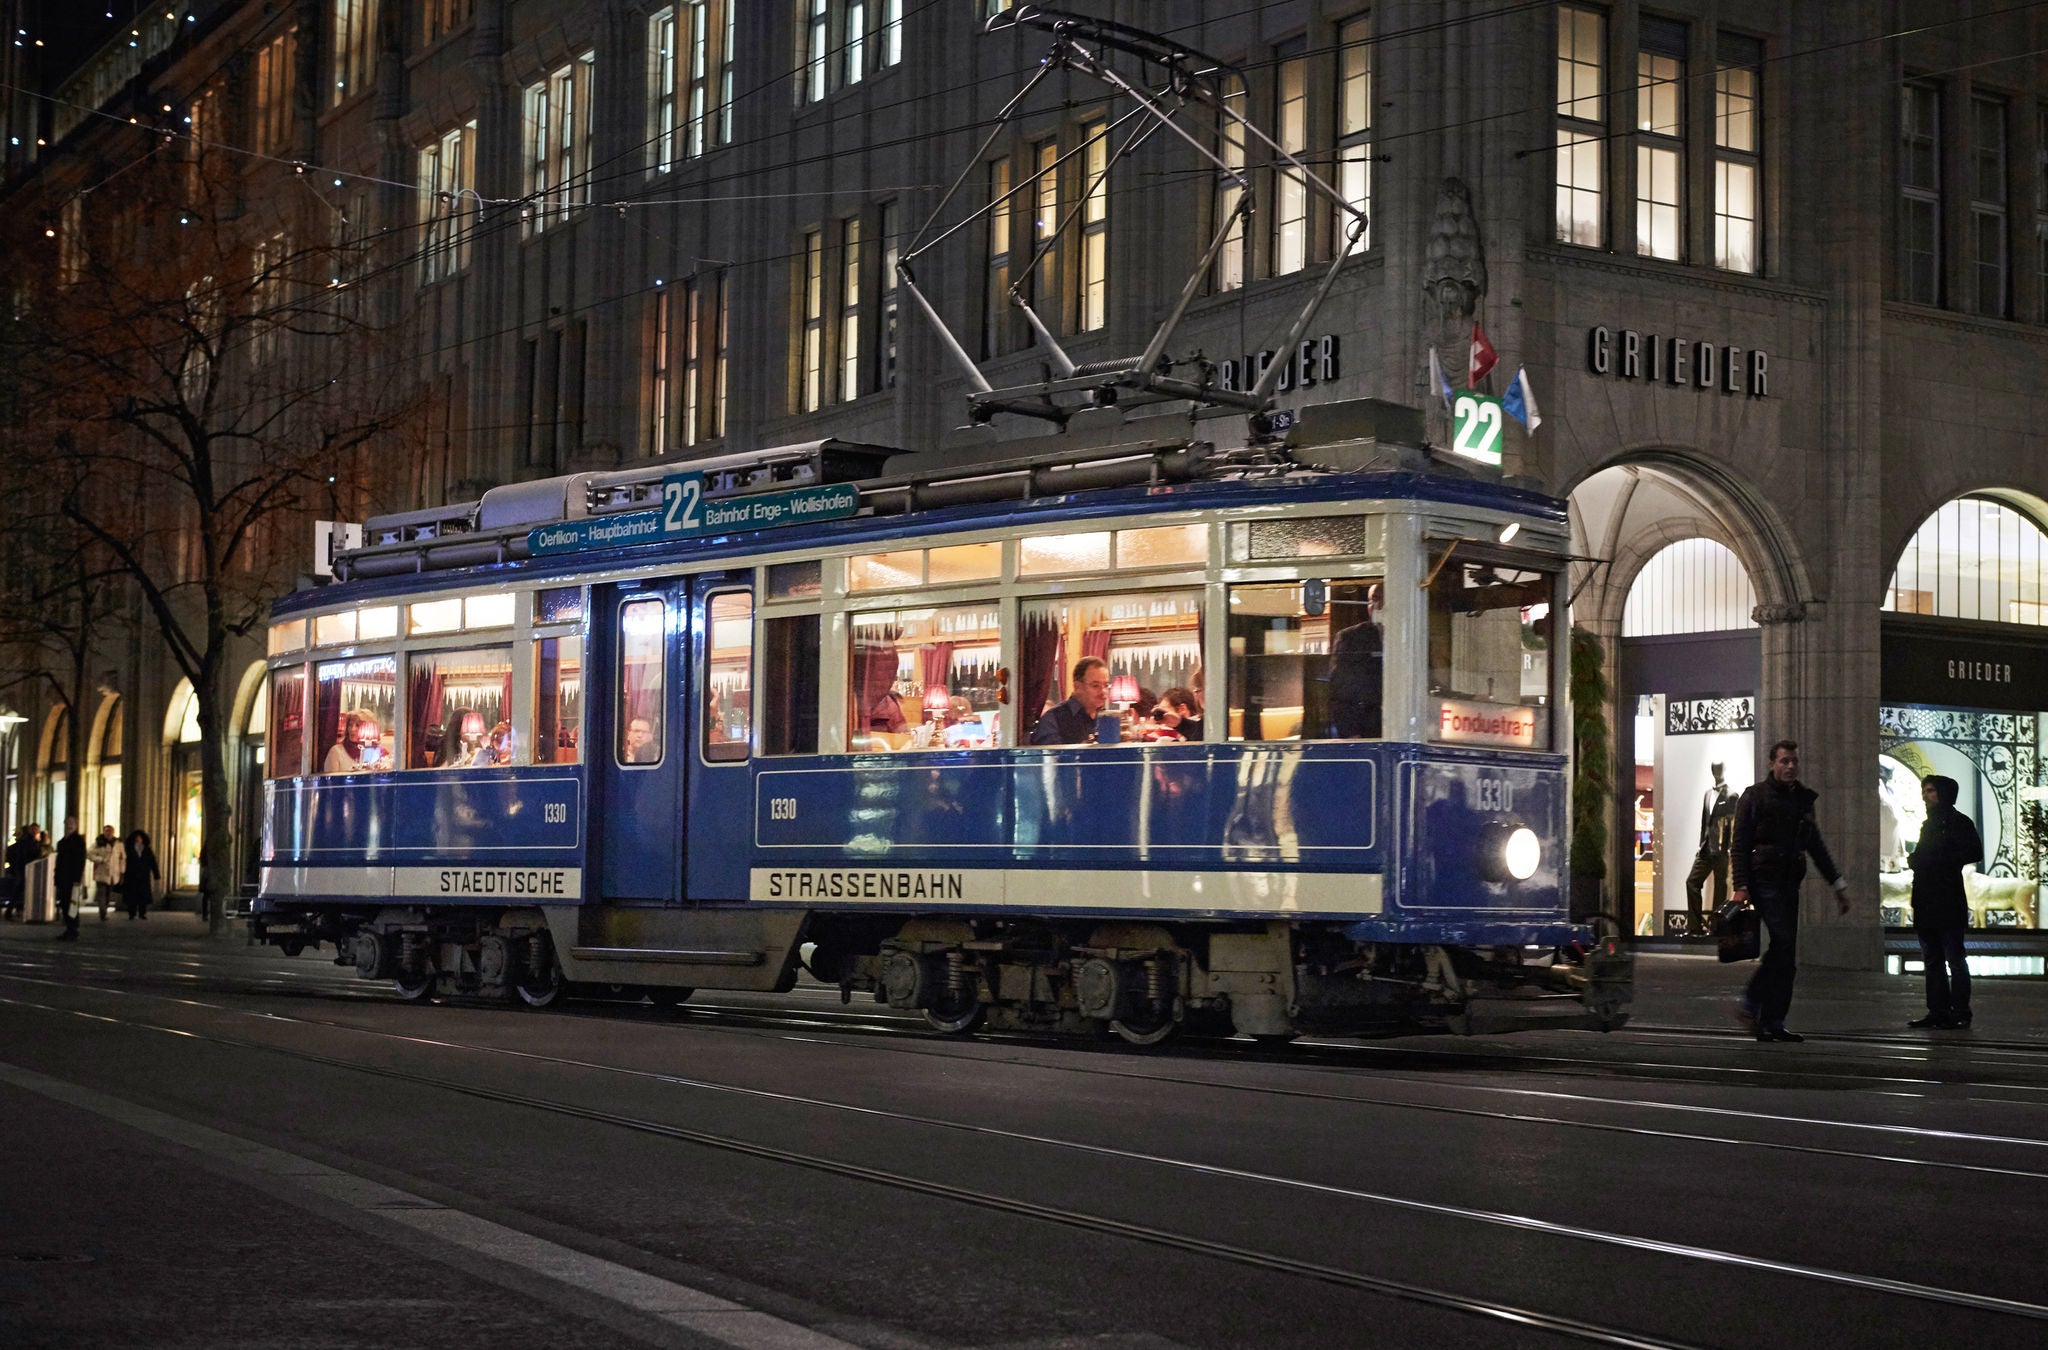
(1357, 666)
(640, 747)
(500, 743)
(463, 745)
(359, 747)
(1176, 716)
(963, 728)
(1073, 721)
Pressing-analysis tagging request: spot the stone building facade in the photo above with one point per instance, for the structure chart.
(1775, 274)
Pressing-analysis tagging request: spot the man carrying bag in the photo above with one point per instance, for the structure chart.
(1775, 833)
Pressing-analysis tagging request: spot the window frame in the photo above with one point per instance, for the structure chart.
(621, 722)
(1662, 63)
(1916, 199)
(1729, 156)
(1991, 213)
(1353, 145)
(1580, 128)
(703, 697)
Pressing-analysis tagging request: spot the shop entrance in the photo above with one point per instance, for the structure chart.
(1687, 673)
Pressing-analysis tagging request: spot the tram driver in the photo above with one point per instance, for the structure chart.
(360, 746)
(1073, 722)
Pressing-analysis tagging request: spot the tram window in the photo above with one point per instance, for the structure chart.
(354, 714)
(1151, 642)
(459, 710)
(789, 685)
(560, 604)
(796, 580)
(1051, 553)
(286, 738)
(376, 623)
(926, 679)
(1163, 546)
(287, 637)
(488, 611)
(643, 630)
(729, 676)
(435, 616)
(1310, 537)
(334, 630)
(964, 562)
(558, 700)
(1306, 666)
(1489, 653)
(885, 571)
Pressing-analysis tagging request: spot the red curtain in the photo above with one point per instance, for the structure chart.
(423, 709)
(874, 676)
(938, 665)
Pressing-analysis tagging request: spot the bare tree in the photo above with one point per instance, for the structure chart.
(199, 375)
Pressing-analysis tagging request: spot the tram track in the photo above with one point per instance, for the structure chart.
(1116, 1227)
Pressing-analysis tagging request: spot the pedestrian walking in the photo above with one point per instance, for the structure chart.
(1775, 833)
(1941, 911)
(107, 856)
(70, 874)
(138, 875)
(20, 853)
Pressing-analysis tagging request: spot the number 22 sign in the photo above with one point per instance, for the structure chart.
(1476, 427)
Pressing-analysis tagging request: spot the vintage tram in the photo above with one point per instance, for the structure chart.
(714, 725)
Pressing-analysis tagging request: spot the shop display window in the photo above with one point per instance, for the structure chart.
(1995, 758)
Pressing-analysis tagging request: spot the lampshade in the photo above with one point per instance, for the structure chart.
(936, 699)
(1124, 689)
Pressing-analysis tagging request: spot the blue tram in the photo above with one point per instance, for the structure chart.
(1132, 736)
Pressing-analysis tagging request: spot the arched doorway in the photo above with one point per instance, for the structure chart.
(188, 783)
(254, 699)
(11, 723)
(1675, 560)
(103, 767)
(53, 768)
(1965, 695)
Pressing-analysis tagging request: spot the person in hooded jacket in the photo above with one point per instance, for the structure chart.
(1775, 833)
(1941, 910)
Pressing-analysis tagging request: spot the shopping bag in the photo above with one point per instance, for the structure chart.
(1742, 937)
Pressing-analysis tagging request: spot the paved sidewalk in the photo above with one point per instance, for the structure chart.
(160, 926)
(1698, 992)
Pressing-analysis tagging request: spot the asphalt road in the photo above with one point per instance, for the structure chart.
(208, 1145)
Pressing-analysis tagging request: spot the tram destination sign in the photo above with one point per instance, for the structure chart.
(685, 513)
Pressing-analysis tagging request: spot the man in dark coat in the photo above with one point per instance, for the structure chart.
(1775, 833)
(1941, 911)
(1073, 722)
(69, 872)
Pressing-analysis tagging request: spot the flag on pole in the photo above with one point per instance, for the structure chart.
(1438, 380)
(1519, 402)
(1484, 357)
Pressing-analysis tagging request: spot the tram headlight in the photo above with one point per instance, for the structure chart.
(1522, 853)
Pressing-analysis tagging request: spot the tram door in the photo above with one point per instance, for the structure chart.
(720, 787)
(639, 738)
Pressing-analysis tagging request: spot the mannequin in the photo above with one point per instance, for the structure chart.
(1717, 833)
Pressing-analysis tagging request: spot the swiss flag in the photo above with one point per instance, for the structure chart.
(1484, 358)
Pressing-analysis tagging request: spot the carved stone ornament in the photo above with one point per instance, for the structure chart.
(1792, 613)
(1454, 273)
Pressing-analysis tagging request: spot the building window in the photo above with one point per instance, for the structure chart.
(275, 68)
(658, 374)
(1987, 204)
(355, 47)
(447, 177)
(267, 296)
(558, 142)
(722, 115)
(1094, 280)
(661, 91)
(892, 252)
(811, 367)
(1920, 193)
(2041, 210)
(1660, 139)
(1354, 129)
(891, 51)
(853, 49)
(1230, 135)
(1581, 127)
(996, 303)
(1045, 225)
(704, 359)
(439, 18)
(1290, 191)
(1738, 145)
(849, 309)
(816, 31)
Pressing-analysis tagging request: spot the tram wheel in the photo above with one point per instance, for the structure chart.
(292, 946)
(538, 992)
(1146, 1031)
(957, 1016)
(416, 990)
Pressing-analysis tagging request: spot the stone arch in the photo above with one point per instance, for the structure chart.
(97, 810)
(182, 703)
(240, 706)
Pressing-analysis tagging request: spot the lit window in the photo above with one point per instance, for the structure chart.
(276, 71)
(1045, 224)
(811, 366)
(658, 375)
(854, 46)
(286, 739)
(558, 700)
(1974, 558)
(729, 677)
(995, 325)
(1054, 553)
(1290, 190)
(558, 142)
(488, 611)
(435, 616)
(447, 189)
(1302, 668)
(333, 630)
(1738, 146)
(1230, 139)
(1149, 641)
(356, 712)
(892, 228)
(643, 665)
(816, 32)
(1354, 128)
(1581, 129)
(354, 34)
(885, 571)
(1094, 279)
(439, 18)
(287, 637)
(964, 562)
(849, 309)
(1163, 546)
(459, 710)
(1660, 145)
(925, 679)
(891, 52)
(661, 91)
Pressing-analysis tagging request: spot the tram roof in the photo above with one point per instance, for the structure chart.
(1399, 488)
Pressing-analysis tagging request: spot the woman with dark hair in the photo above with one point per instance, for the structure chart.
(138, 875)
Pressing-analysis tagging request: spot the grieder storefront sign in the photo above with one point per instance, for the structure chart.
(1628, 354)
